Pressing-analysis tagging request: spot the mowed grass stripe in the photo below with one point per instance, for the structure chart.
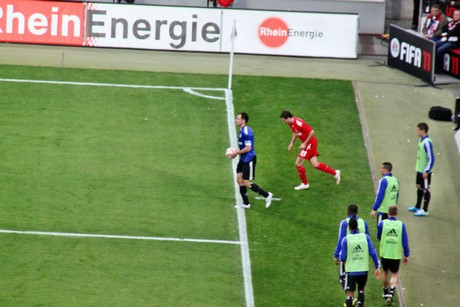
(58, 271)
(111, 160)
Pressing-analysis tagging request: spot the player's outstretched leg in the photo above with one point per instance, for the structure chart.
(325, 168)
(268, 195)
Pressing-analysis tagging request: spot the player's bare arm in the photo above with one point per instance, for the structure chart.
(405, 260)
(377, 274)
(294, 137)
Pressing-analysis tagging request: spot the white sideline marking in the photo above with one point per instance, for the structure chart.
(190, 90)
(273, 198)
(245, 256)
(89, 235)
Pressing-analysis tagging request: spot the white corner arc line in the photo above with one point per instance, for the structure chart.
(106, 236)
(193, 92)
(245, 256)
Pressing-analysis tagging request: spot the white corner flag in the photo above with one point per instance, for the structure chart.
(232, 39)
(457, 139)
(234, 32)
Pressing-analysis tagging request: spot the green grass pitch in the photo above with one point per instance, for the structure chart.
(150, 162)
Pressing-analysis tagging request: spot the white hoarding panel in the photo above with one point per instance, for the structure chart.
(209, 30)
(299, 34)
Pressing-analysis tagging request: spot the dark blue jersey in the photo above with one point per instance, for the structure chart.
(246, 138)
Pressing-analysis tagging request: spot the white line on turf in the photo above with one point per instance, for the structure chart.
(193, 92)
(245, 256)
(105, 236)
(370, 157)
(273, 198)
(190, 90)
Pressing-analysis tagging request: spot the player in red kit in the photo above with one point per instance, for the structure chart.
(308, 149)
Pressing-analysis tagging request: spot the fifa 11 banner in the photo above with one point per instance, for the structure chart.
(179, 28)
(411, 53)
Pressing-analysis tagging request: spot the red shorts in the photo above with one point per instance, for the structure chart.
(310, 151)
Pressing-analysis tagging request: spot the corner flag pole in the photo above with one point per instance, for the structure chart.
(230, 70)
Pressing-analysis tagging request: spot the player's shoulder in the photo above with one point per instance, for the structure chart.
(299, 121)
(247, 130)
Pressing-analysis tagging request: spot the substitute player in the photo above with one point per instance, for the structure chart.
(355, 252)
(387, 193)
(424, 168)
(393, 243)
(343, 232)
(308, 149)
(246, 168)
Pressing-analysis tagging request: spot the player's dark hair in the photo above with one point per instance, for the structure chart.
(286, 114)
(423, 127)
(353, 224)
(436, 6)
(392, 210)
(388, 166)
(244, 116)
(352, 209)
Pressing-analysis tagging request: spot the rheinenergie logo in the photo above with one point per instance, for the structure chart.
(274, 32)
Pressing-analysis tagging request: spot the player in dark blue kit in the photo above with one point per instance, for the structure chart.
(246, 169)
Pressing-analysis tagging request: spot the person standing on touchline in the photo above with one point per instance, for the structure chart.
(387, 193)
(246, 168)
(424, 169)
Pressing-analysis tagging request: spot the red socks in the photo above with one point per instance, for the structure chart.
(302, 174)
(325, 168)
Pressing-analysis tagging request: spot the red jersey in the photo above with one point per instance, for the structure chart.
(302, 130)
